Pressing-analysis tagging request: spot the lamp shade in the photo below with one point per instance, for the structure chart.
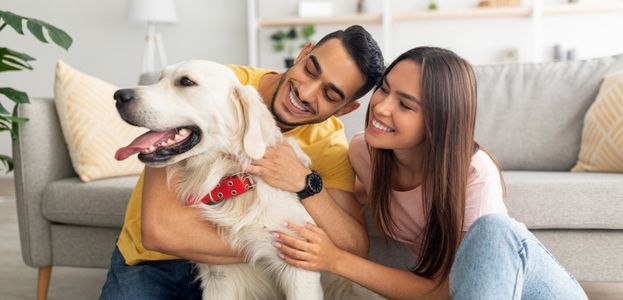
(152, 11)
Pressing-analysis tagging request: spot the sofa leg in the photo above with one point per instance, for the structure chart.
(44, 282)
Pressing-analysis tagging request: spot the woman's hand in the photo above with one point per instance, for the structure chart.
(315, 253)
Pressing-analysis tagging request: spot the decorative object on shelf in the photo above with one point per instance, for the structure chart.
(152, 12)
(315, 9)
(286, 40)
(433, 5)
(509, 55)
(499, 3)
(11, 60)
(360, 6)
(558, 52)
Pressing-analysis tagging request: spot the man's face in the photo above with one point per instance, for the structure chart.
(321, 83)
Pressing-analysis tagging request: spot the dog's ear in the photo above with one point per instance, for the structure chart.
(258, 124)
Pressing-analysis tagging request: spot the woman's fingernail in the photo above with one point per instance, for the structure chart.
(281, 255)
(285, 224)
(276, 244)
(274, 234)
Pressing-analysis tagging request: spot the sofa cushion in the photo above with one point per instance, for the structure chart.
(602, 136)
(92, 128)
(97, 203)
(565, 200)
(530, 115)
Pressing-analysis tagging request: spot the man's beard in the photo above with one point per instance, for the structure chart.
(278, 118)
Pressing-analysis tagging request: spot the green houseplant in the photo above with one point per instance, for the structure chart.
(285, 40)
(11, 60)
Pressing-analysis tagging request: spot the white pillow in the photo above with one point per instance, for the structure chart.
(92, 128)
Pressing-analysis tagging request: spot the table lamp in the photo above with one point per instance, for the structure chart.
(152, 12)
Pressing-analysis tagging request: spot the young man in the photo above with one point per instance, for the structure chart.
(325, 82)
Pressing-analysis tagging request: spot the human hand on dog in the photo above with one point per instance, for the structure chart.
(316, 253)
(281, 168)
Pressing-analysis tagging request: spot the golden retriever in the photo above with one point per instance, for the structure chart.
(204, 125)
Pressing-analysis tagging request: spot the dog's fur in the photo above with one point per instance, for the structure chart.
(236, 127)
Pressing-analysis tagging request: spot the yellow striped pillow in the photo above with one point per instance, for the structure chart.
(91, 125)
(601, 149)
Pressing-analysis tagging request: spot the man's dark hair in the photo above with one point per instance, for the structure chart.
(365, 52)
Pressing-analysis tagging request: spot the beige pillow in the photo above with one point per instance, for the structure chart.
(92, 128)
(601, 149)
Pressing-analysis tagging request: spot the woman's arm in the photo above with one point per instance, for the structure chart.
(318, 253)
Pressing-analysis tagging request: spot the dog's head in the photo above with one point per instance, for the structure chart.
(196, 107)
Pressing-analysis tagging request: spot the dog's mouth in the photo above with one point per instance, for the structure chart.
(160, 146)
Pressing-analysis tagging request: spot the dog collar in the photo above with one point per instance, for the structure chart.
(228, 187)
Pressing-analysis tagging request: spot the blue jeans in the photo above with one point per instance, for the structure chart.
(500, 259)
(150, 280)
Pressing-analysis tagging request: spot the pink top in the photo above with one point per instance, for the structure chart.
(484, 194)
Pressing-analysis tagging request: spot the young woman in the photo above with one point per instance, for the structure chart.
(429, 184)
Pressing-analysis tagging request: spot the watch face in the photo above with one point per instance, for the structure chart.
(315, 183)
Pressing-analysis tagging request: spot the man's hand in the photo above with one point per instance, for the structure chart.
(281, 168)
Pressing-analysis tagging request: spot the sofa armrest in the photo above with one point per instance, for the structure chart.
(40, 157)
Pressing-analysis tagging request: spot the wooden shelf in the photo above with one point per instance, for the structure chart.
(470, 13)
(464, 13)
(575, 9)
(295, 21)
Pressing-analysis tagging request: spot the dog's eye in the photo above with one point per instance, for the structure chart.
(185, 81)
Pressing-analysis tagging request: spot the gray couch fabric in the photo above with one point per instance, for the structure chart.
(564, 200)
(529, 116)
(99, 203)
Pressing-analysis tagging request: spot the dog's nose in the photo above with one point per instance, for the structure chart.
(124, 95)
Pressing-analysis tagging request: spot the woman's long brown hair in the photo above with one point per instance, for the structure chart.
(449, 108)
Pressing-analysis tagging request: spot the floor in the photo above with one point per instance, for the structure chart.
(18, 281)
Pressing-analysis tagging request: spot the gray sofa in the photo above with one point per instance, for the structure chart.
(529, 115)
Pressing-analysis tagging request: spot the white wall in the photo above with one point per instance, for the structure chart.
(109, 47)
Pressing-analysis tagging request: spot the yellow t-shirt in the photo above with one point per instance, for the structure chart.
(325, 143)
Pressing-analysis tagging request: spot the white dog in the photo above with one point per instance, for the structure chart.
(204, 126)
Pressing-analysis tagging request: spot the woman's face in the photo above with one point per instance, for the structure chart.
(395, 120)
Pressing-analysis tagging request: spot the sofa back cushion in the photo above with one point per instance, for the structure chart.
(530, 115)
(92, 128)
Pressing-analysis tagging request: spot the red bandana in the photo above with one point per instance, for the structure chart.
(228, 187)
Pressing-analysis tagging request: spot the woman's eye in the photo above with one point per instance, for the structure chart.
(185, 81)
(403, 105)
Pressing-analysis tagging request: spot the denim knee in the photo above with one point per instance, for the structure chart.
(496, 226)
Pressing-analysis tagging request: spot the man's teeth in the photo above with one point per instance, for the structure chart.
(180, 136)
(297, 104)
(380, 126)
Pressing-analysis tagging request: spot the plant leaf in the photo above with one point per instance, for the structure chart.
(57, 35)
(292, 34)
(3, 110)
(14, 21)
(36, 29)
(15, 119)
(12, 60)
(308, 31)
(15, 95)
(7, 162)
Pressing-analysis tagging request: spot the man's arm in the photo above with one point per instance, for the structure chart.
(335, 211)
(169, 227)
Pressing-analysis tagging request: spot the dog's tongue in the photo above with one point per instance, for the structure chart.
(146, 140)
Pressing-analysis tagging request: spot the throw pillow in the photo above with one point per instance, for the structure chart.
(92, 128)
(601, 149)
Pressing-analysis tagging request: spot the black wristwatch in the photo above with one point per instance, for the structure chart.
(313, 186)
